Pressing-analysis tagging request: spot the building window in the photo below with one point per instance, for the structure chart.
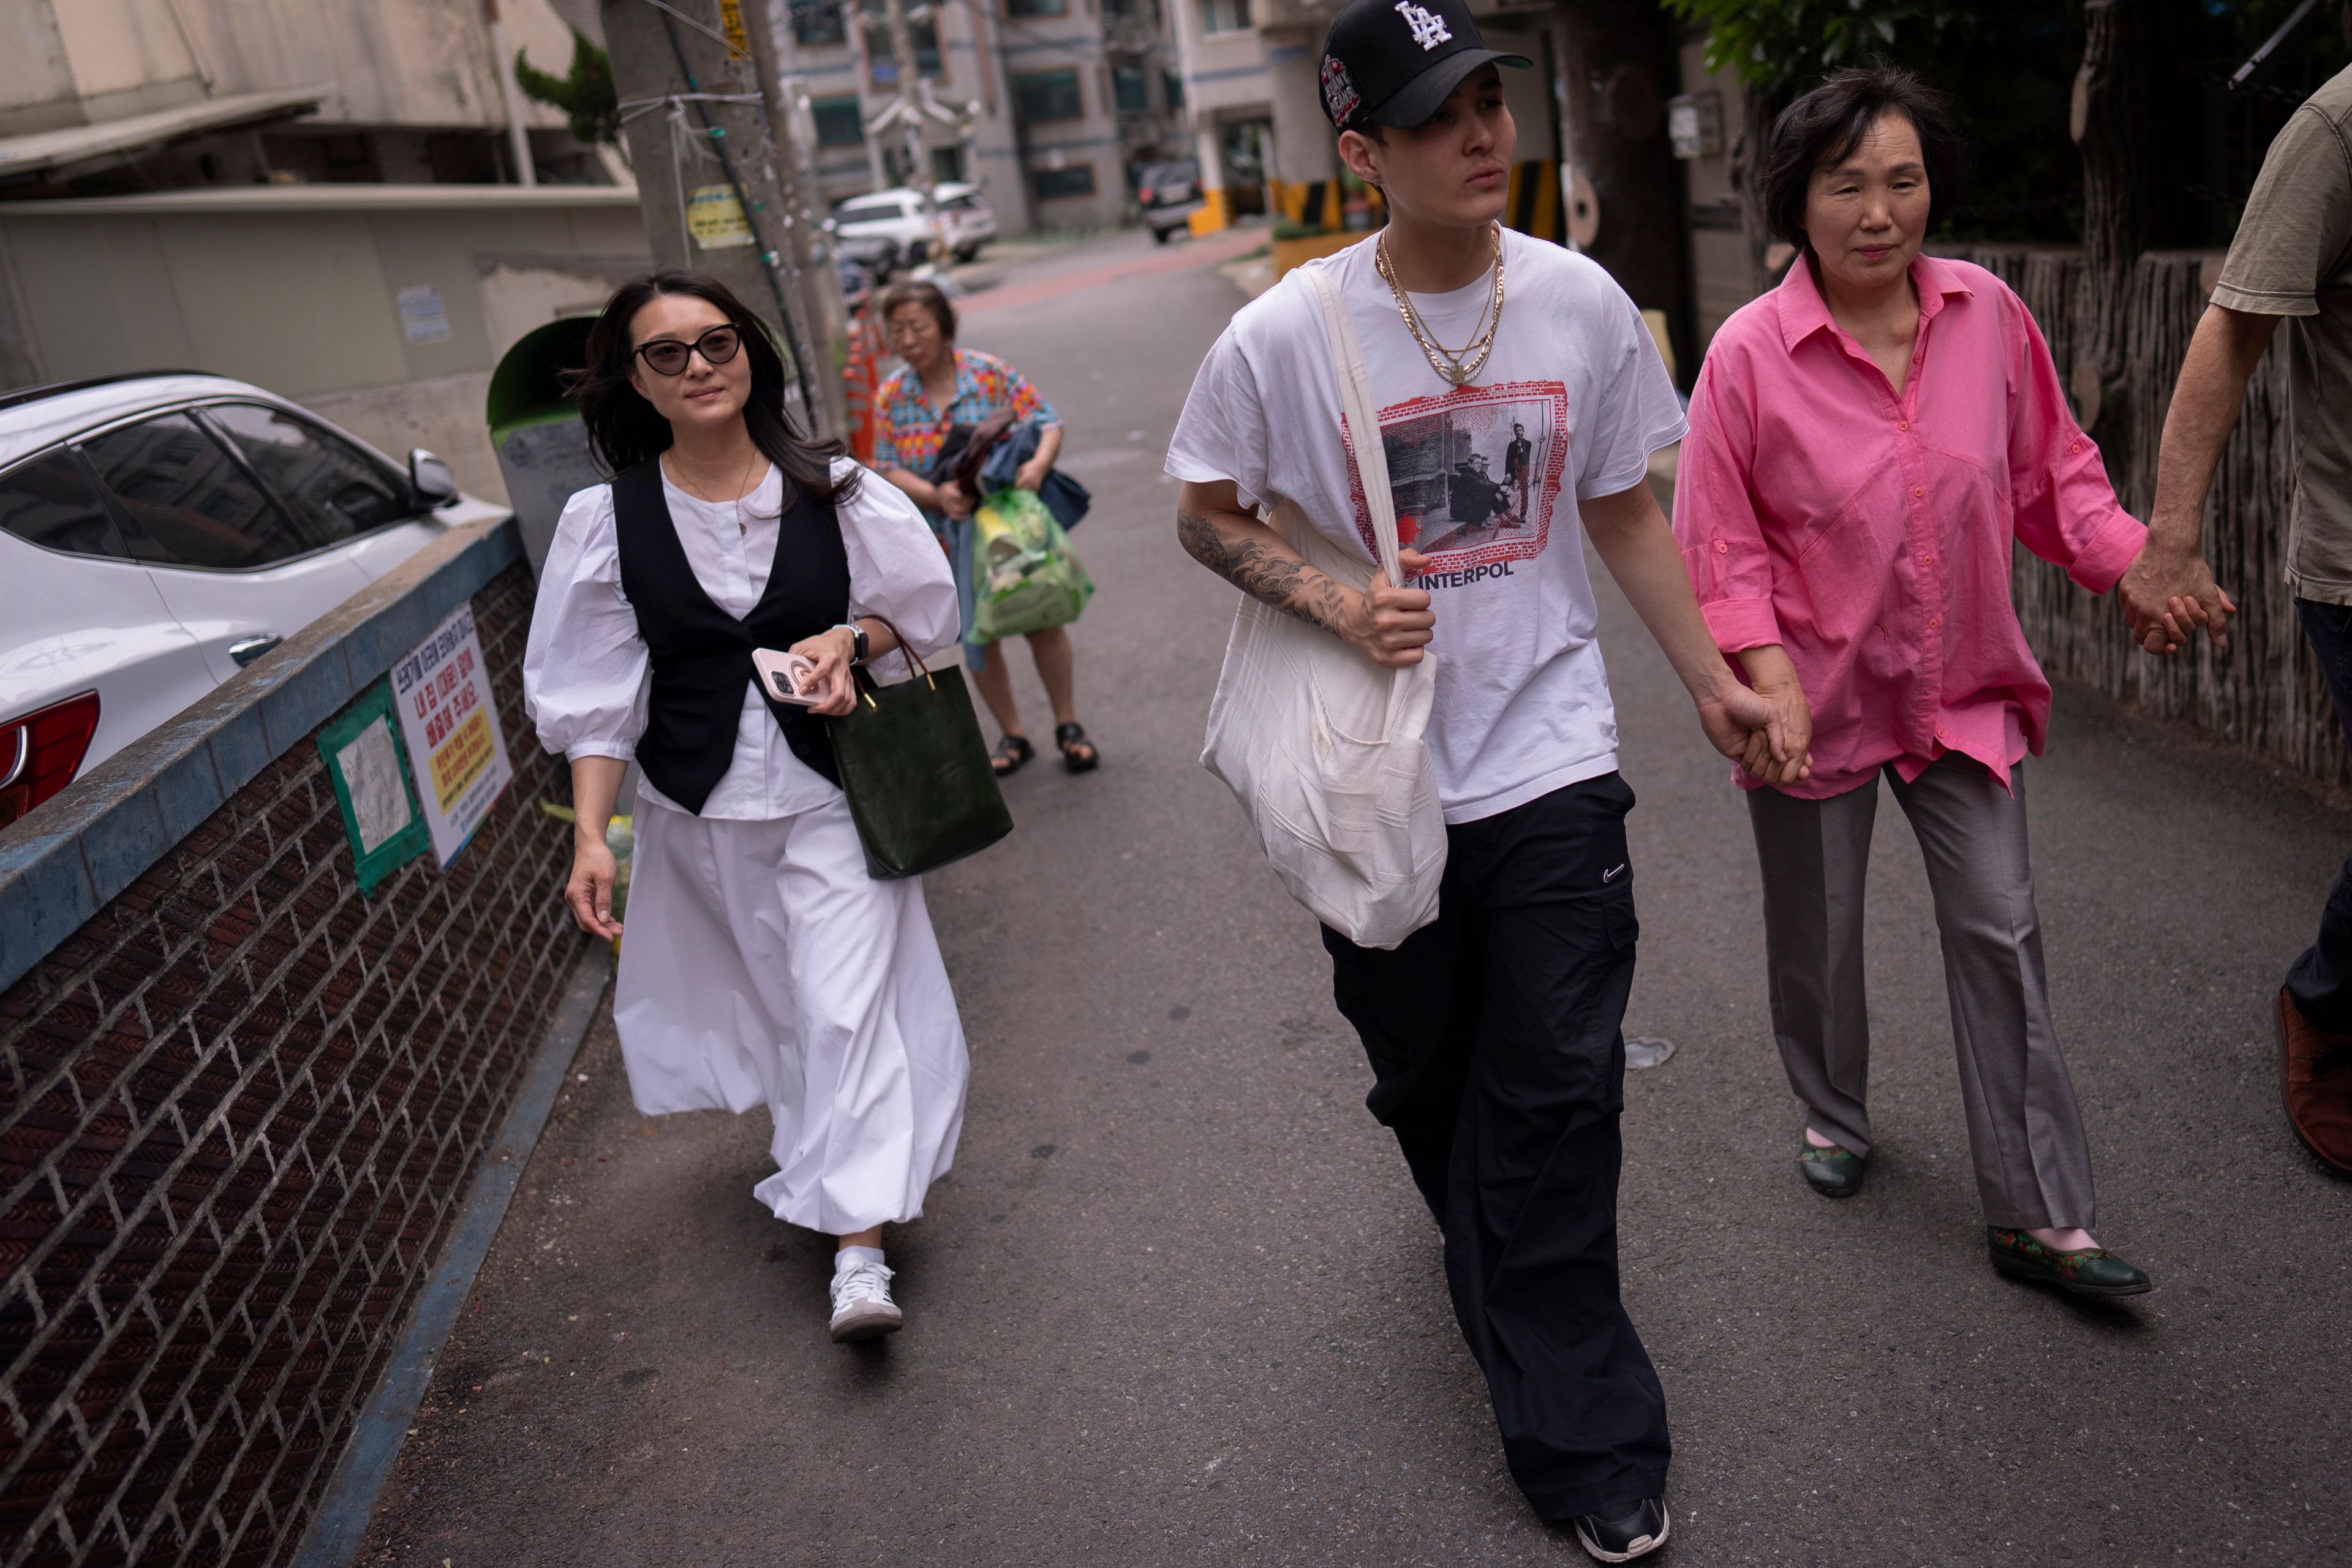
(817, 22)
(1037, 7)
(839, 123)
(1049, 96)
(1050, 184)
(1174, 84)
(947, 164)
(884, 61)
(1130, 89)
(1224, 16)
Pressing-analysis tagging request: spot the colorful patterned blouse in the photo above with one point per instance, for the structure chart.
(911, 429)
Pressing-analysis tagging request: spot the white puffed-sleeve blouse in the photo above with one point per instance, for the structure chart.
(587, 674)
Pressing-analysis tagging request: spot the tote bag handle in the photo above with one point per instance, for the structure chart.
(1363, 420)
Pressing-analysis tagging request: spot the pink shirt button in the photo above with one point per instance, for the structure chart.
(1721, 548)
(1918, 489)
(1903, 423)
(1934, 621)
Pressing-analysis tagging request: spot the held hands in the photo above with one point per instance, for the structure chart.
(830, 651)
(1031, 474)
(589, 894)
(2168, 595)
(1386, 624)
(1768, 729)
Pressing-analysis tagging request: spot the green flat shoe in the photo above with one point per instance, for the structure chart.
(2086, 1271)
(1834, 1172)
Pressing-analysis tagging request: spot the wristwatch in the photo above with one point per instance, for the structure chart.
(858, 642)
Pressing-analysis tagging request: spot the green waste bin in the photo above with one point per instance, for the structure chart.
(543, 448)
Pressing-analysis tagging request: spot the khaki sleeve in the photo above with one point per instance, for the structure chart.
(2298, 222)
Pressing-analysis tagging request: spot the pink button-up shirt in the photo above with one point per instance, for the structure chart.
(1869, 534)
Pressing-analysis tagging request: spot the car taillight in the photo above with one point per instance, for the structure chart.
(41, 752)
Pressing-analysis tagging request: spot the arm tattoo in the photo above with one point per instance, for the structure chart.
(1289, 585)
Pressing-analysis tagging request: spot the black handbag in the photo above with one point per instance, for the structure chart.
(916, 770)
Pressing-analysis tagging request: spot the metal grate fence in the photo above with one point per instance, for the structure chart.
(238, 1112)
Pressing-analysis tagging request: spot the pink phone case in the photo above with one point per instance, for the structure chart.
(781, 675)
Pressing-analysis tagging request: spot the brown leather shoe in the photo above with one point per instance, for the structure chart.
(2316, 1078)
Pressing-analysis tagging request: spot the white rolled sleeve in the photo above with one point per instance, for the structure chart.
(586, 672)
(896, 570)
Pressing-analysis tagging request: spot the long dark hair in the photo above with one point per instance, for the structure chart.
(623, 429)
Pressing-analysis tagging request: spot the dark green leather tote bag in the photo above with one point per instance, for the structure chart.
(916, 771)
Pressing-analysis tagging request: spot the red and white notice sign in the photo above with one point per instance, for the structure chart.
(451, 730)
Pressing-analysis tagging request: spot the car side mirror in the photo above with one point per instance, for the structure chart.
(431, 485)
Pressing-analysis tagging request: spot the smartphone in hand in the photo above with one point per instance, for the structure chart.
(782, 677)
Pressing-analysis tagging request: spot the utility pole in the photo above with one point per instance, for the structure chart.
(808, 249)
(717, 193)
(509, 94)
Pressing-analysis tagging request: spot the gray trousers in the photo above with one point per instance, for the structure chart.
(2033, 1164)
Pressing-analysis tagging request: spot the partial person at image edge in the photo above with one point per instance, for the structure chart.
(2290, 261)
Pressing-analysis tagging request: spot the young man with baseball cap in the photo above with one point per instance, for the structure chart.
(1492, 1032)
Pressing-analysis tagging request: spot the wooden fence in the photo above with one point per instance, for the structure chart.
(2265, 692)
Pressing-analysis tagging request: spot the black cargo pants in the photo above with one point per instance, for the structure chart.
(1493, 1037)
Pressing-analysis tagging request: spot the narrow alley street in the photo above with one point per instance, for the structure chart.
(1178, 1302)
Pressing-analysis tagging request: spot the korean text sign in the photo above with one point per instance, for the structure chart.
(451, 730)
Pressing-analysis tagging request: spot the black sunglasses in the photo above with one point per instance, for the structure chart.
(668, 356)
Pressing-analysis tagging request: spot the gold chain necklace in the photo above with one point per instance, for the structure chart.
(1455, 365)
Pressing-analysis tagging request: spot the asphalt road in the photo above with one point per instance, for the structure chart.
(1178, 1302)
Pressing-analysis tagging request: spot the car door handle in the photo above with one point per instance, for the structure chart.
(245, 650)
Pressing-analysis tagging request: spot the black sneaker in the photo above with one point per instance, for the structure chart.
(1621, 1537)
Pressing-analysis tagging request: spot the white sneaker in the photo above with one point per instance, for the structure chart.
(862, 1308)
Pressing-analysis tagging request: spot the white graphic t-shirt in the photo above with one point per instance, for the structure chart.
(1570, 405)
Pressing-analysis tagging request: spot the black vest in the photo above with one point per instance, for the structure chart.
(702, 655)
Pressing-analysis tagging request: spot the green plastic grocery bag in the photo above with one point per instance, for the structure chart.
(1024, 576)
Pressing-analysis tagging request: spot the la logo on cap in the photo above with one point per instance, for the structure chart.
(1428, 29)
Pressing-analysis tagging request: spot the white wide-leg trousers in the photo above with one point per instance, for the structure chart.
(764, 966)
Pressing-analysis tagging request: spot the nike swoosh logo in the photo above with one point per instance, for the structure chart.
(1611, 876)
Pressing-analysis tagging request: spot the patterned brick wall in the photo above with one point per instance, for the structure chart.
(239, 1110)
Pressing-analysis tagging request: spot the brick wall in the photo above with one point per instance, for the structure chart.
(238, 1109)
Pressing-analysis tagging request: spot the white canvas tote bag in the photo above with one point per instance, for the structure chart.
(1323, 748)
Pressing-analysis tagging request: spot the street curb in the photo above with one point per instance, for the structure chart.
(340, 1525)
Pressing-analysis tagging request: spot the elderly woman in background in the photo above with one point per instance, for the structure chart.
(1866, 442)
(939, 387)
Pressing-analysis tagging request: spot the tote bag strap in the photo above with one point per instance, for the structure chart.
(1363, 418)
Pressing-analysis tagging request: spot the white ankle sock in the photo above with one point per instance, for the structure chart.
(849, 1257)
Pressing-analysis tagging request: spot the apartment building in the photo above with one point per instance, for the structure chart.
(1248, 70)
(1056, 101)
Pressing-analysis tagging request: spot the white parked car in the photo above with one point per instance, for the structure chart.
(901, 216)
(158, 533)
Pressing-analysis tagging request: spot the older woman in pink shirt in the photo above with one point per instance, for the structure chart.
(1866, 444)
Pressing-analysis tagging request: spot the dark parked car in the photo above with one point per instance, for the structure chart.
(1169, 194)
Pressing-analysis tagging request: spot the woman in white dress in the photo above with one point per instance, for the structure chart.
(768, 968)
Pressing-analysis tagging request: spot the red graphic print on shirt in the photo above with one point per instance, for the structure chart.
(1474, 472)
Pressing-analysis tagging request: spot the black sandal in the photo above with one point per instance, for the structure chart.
(1074, 734)
(1013, 753)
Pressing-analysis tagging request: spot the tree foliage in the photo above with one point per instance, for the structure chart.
(1774, 45)
(586, 95)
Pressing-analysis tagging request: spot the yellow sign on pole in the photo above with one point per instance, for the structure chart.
(716, 218)
(730, 22)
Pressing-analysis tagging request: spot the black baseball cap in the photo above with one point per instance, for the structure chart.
(1394, 62)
